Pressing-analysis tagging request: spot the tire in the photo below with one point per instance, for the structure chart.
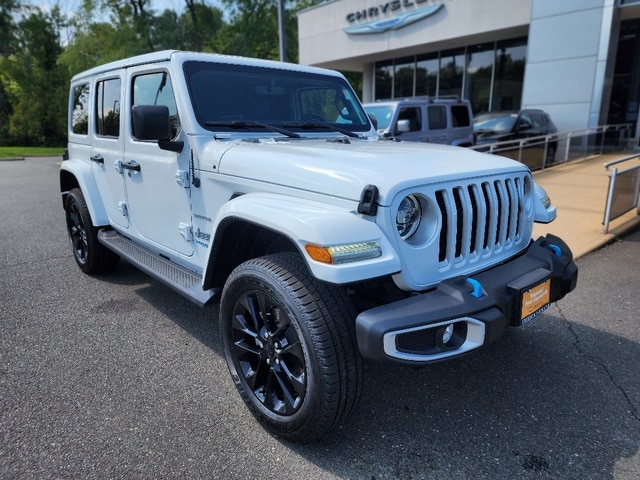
(90, 255)
(290, 344)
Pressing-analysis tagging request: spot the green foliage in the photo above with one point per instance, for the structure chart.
(34, 83)
(21, 152)
(35, 66)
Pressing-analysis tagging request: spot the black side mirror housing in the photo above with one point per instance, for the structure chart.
(151, 122)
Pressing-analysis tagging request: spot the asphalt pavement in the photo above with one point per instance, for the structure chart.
(116, 376)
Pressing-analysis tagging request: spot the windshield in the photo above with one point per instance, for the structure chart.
(382, 114)
(233, 97)
(495, 122)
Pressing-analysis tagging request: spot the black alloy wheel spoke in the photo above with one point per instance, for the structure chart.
(268, 353)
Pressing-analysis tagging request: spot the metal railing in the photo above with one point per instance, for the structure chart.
(624, 190)
(562, 147)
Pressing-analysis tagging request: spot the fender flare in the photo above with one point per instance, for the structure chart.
(81, 172)
(306, 221)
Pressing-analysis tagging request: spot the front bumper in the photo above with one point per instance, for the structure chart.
(462, 313)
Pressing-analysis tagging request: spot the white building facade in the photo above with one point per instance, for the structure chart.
(577, 59)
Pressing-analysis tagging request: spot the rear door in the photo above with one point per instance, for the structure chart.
(107, 146)
(438, 125)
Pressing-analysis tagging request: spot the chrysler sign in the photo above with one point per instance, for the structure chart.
(376, 24)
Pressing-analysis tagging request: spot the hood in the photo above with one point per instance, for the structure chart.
(343, 168)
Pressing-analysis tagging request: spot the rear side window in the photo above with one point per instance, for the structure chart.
(460, 116)
(437, 117)
(539, 120)
(108, 108)
(80, 109)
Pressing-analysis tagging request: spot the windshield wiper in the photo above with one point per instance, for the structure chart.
(312, 125)
(251, 123)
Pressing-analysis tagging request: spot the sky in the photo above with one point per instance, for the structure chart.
(70, 6)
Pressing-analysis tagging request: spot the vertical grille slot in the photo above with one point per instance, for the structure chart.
(480, 218)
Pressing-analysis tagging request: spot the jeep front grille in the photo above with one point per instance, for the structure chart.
(480, 218)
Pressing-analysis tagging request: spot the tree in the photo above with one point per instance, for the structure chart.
(34, 82)
(253, 29)
(8, 8)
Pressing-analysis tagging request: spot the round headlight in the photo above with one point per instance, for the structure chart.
(408, 216)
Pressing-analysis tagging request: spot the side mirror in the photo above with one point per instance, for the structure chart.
(403, 126)
(151, 122)
(374, 120)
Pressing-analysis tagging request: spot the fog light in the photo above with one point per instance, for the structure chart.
(447, 333)
(451, 336)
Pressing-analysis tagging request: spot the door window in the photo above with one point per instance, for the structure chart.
(108, 108)
(413, 115)
(156, 89)
(437, 117)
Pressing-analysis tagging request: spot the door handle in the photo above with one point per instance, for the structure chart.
(131, 165)
(98, 159)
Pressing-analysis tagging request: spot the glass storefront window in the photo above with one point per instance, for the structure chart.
(384, 80)
(451, 73)
(490, 75)
(509, 74)
(404, 74)
(427, 67)
(479, 73)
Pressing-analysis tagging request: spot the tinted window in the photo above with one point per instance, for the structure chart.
(156, 89)
(460, 116)
(414, 116)
(437, 117)
(108, 108)
(80, 109)
(525, 121)
(539, 120)
(223, 93)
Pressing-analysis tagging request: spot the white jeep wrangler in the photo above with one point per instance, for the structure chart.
(264, 185)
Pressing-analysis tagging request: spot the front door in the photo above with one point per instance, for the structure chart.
(158, 189)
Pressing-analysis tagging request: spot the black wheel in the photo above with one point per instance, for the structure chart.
(289, 341)
(91, 256)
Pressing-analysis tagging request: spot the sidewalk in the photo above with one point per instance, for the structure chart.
(579, 192)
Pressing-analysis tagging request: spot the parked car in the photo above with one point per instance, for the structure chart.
(264, 186)
(433, 120)
(502, 126)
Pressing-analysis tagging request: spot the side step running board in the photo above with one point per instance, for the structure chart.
(180, 279)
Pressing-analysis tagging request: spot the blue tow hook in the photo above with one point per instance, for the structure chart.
(477, 288)
(556, 249)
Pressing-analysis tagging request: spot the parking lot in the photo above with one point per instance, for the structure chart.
(119, 377)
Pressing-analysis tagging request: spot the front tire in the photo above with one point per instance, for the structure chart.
(90, 255)
(289, 342)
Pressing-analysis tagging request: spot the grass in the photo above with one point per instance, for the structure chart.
(19, 152)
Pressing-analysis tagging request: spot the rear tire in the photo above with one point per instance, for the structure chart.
(290, 345)
(90, 255)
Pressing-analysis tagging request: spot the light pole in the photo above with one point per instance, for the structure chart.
(282, 31)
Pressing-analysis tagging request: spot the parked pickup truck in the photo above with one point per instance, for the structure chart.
(263, 186)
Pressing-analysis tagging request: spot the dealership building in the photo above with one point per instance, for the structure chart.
(577, 59)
